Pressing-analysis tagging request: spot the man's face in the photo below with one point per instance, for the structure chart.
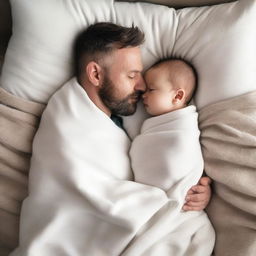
(123, 84)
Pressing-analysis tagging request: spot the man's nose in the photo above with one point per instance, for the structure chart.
(140, 85)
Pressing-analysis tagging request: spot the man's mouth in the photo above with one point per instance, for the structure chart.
(135, 97)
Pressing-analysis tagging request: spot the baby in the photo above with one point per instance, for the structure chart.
(173, 129)
(167, 154)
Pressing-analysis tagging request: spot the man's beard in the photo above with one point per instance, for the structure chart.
(115, 105)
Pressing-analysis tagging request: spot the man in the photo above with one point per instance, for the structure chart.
(108, 67)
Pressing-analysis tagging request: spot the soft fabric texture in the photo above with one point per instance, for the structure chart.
(19, 120)
(81, 198)
(167, 155)
(218, 40)
(168, 150)
(228, 138)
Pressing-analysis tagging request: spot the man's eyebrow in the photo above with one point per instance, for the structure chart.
(135, 71)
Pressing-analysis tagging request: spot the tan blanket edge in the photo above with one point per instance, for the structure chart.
(19, 120)
(228, 138)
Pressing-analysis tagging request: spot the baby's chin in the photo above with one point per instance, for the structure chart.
(146, 107)
(149, 112)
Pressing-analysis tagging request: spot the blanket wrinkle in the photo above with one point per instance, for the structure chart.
(16, 103)
(80, 185)
(228, 138)
(19, 120)
(13, 158)
(240, 200)
(161, 157)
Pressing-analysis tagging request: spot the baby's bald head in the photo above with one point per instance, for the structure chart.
(181, 75)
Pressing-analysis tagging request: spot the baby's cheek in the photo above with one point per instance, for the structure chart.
(156, 107)
(160, 102)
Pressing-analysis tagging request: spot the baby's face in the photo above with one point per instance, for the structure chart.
(158, 98)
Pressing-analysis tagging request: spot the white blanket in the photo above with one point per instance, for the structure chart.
(168, 151)
(167, 155)
(82, 200)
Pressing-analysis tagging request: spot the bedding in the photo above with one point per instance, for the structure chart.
(19, 120)
(81, 193)
(36, 66)
(167, 154)
(228, 141)
(162, 146)
(219, 41)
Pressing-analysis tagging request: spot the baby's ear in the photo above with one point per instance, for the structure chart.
(180, 95)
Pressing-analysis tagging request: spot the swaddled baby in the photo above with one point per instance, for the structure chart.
(173, 127)
(167, 154)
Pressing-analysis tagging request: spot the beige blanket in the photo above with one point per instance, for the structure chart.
(18, 123)
(229, 147)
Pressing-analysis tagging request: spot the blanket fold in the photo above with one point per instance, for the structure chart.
(228, 137)
(82, 200)
(167, 154)
(18, 123)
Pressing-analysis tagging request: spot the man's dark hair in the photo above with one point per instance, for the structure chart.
(102, 38)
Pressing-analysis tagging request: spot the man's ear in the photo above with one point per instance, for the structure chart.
(180, 95)
(94, 73)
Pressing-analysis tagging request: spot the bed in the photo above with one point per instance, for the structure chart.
(218, 38)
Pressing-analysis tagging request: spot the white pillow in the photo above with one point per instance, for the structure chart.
(38, 59)
(219, 40)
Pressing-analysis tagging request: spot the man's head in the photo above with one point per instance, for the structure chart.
(108, 66)
(170, 86)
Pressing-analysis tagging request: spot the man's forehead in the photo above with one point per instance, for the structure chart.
(128, 58)
(129, 52)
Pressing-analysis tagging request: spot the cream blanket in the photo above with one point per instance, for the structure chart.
(229, 148)
(81, 198)
(18, 123)
(167, 155)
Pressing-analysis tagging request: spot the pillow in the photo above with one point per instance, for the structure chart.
(219, 40)
(38, 58)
